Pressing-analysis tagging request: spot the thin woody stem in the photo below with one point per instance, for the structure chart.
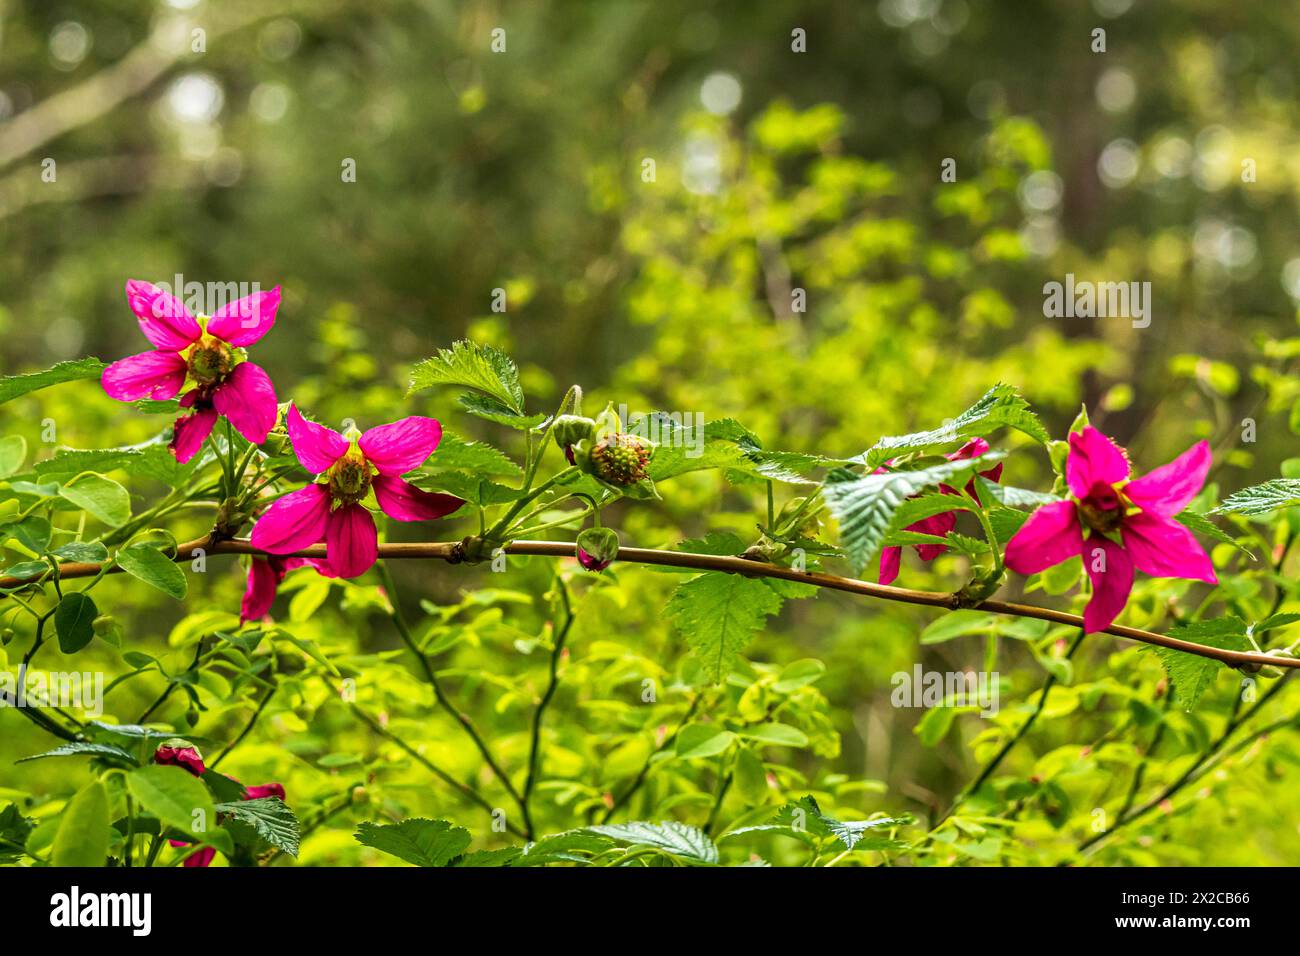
(451, 551)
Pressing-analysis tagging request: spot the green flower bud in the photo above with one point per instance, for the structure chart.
(597, 548)
(104, 624)
(6, 635)
(607, 422)
(571, 429)
(620, 459)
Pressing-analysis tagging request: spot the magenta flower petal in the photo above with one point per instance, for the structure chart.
(247, 398)
(158, 375)
(1167, 490)
(1163, 548)
(397, 448)
(402, 500)
(163, 318)
(351, 541)
(1051, 535)
(265, 790)
(1093, 458)
(972, 449)
(316, 446)
(294, 522)
(245, 320)
(940, 526)
(259, 593)
(890, 561)
(190, 431)
(1111, 571)
(200, 858)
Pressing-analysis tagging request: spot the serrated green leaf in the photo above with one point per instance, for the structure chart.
(1261, 499)
(479, 458)
(864, 505)
(1191, 674)
(12, 386)
(716, 613)
(491, 409)
(1199, 524)
(481, 367)
(679, 840)
(417, 841)
(270, 817)
(82, 748)
(999, 406)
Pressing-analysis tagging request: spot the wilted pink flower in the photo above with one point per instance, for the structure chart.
(209, 352)
(264, 577)
(330, 510)
(1128, 524)
(187, 758)
(941, 524)
(265, 790)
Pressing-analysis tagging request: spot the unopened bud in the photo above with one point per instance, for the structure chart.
(597, 548)
(104, 624)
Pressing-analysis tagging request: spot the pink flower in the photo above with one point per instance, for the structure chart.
(209, 352)
(1128, 524)
(331, 510)
(264, 577)
(265, 790)
(187, 758)
(941, 524)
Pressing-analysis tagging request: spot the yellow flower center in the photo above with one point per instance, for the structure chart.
(349, 478)
(210, 360)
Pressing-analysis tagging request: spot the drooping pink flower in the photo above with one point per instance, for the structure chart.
(1128, 524)
(264, 578)
(204, 855)
(331, 509)
(265, 790)
(209, 353)
(941, 524)
(187, 758)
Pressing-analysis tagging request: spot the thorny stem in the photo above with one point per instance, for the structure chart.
(991, 767)
(557, 649)
(431, 676)
(449, 550)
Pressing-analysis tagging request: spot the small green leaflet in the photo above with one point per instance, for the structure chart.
(12, 386)
(153, 567)
(13, 451)
(456, 454)
(805, 818)
(1001, 405)
(678, 840)
(82, 836)
(864, 505)
(480, 367)
(151, 459)
(717, 612)
(74, 621)
(417, 841)
(1191, 674)
(270, 817)
(14, 831)
(489, 408)
(1261, 499)
(99, 496)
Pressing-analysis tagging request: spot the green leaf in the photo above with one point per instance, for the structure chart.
(1199, 524)
(1001, 405)
(491, 409)
(91, 552)
(176, 798)
(702, 740)
(13, 452)
(14, 831)
(1191, 674)
(806, 815)
(679, 840)
(102, 497)
(456, 454)
(716, 613)
(864, 505)
(270, 817)
(82, 837)
(154, 568)
(152, 459)
(1261, 499)
(481, 367)
(73, 621)
(79, 748)
(777, 734)
(33, 532)
(417, 841)
(12, 386)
